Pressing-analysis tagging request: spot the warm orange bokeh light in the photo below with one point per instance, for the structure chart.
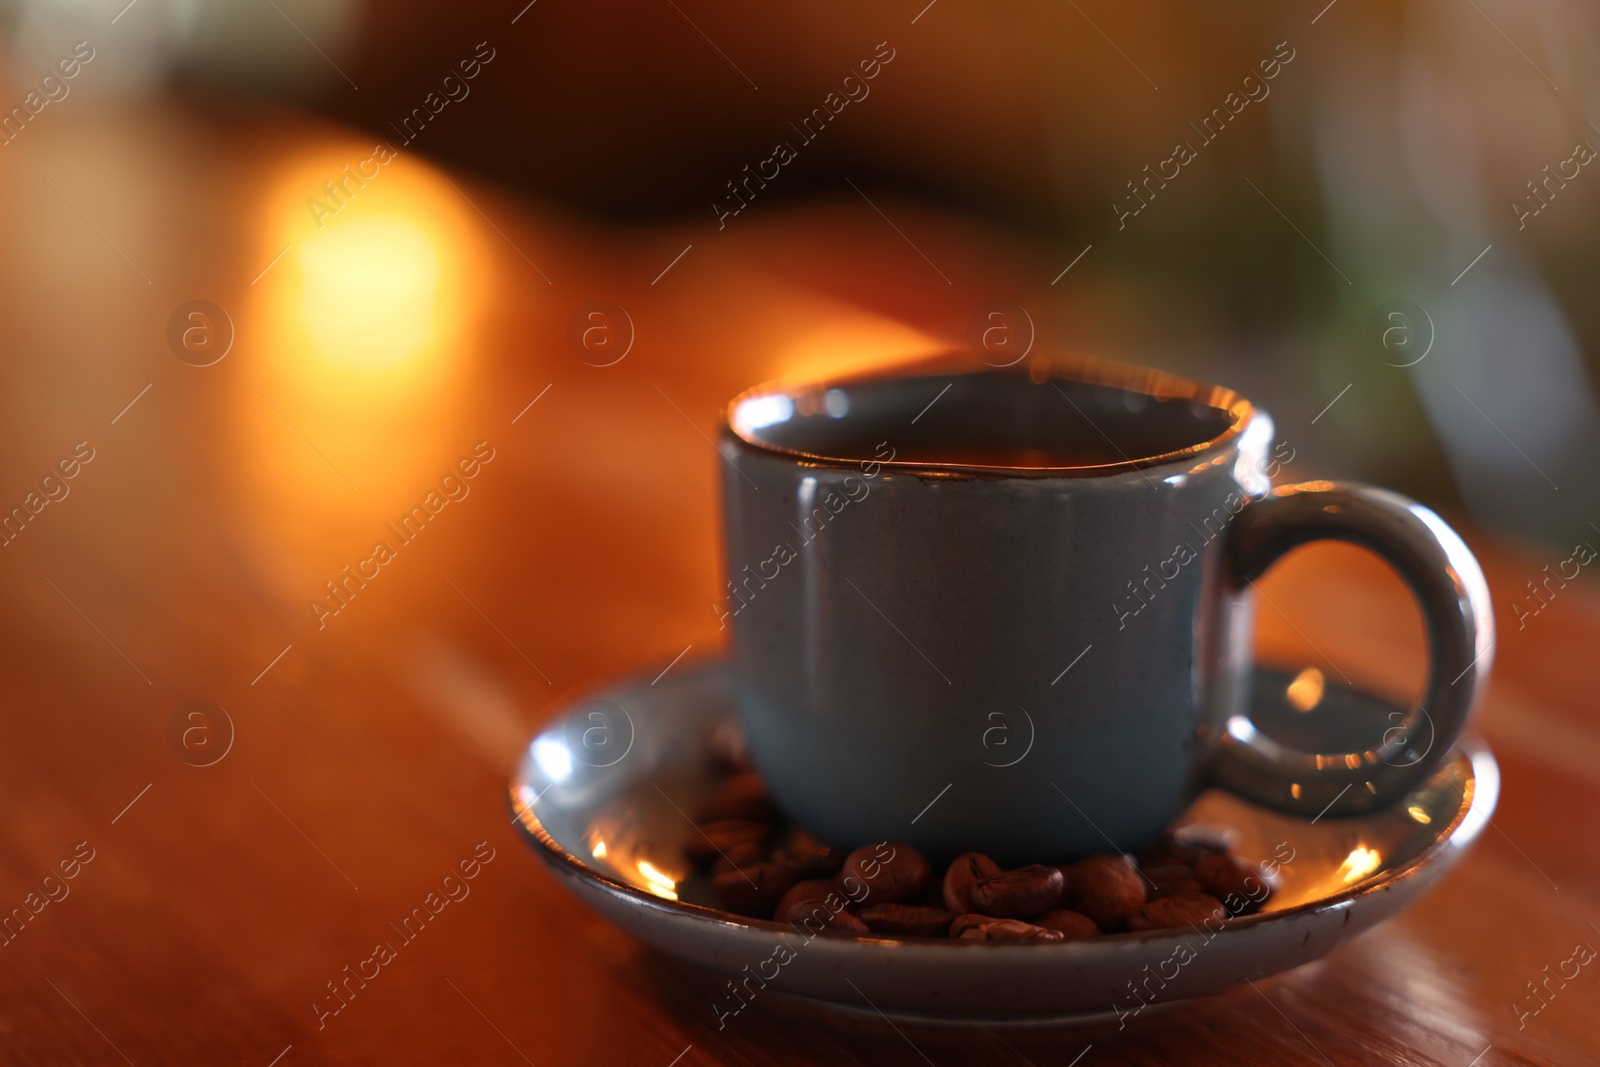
(1361, 862)
(831, 341)
(359, 342)
(368, 307)
(370, 293)
(1305, 692)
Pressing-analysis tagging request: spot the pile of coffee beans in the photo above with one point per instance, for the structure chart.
(764, 869)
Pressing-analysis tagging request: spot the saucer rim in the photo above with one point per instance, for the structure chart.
(1450, 841)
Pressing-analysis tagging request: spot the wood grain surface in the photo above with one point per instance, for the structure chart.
(360, 755)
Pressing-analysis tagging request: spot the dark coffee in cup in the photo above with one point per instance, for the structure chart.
(999, 419)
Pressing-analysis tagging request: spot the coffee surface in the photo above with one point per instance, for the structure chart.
(993, 420)
(972, 453)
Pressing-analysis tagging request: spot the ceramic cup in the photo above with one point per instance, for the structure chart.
(1009, 610)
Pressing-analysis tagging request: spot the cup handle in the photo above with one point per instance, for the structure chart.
(1449, 586)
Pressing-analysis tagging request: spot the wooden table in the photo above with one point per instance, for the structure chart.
(211, 905)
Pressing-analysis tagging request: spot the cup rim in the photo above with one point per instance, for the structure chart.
(1077, 367)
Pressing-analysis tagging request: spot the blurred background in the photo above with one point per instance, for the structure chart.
(1311, 247)
(1400, 216)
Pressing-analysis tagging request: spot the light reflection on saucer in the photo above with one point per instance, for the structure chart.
(658, 883)
(1361, 862)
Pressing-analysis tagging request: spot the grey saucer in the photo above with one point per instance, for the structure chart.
(602, 795)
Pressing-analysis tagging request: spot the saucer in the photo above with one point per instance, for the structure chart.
(603, 792)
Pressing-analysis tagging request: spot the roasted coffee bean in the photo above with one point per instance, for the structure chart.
(846, 924)
(1169, 872)
(1161, 852)
(1171, 881)
(1177, 912)
(816, 889)
(1241, 889)
(709, 841)
(739, 855)
(961, 876)
(975, 927)
(817, 905)
(1104, 888)
(741, 796)
(812, 917)
(892, 871)
(1167, 850)
(1019, 894)
(906, 919)
(807, 856)
(1070, 924)
(753, 890)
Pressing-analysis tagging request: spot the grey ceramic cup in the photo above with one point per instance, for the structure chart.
(1009, 610)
